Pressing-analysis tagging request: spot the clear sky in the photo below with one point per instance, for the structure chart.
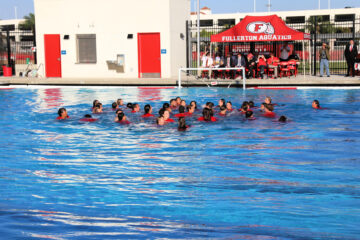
(24, 7)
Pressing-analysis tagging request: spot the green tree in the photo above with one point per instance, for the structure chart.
(29, 23)
(322, 26)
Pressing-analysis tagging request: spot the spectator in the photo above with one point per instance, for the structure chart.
(284, 52)
(251, 65)
(273, 63)
(350, 55)
(324, 56)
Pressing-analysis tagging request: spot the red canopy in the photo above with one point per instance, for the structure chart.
(259, 29)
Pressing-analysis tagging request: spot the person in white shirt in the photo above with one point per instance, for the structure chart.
(285, 52)
(207, 62)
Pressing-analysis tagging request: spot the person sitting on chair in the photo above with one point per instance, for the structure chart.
(273, 63)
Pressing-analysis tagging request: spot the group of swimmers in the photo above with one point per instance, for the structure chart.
(184, 111)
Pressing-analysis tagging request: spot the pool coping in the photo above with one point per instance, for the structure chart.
(299, 81)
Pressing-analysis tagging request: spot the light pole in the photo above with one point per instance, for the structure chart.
(254, 5)
(319, 4)
(269, 5)
(329, 4)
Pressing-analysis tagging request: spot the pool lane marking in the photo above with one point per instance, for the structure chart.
(156, 87)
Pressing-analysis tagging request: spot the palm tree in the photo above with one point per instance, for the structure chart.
(29, 23)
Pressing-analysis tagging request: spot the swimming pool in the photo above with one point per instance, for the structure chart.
(231, 179)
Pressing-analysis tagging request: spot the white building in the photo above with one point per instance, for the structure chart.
(112, 38)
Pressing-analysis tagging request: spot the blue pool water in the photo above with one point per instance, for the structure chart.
(232, 179)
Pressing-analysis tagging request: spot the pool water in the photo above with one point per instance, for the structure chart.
(232, 179)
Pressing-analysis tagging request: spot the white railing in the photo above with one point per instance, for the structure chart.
(213, 69)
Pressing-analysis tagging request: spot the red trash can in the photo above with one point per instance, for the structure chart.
(7, 71)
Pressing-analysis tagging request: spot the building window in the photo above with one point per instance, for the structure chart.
(299, 19)
(223, 22)
(86, 48)
(206, 23)
(344, 17)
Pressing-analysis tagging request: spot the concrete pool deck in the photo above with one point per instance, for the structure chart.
(300, 80)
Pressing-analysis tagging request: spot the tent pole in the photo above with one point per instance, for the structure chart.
(211, 57)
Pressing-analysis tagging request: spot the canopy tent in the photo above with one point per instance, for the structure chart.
(259, 29)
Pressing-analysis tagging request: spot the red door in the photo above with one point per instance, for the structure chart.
(149, 55)
(52, 55)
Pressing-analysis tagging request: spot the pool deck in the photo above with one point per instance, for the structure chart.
(335, 81)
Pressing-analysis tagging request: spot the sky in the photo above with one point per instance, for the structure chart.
(24, 7)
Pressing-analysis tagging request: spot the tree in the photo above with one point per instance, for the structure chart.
(322, 25)
(29, 23)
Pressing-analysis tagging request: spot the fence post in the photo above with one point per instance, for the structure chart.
(314, 45)
(8, 47)
(354, 30)
(35, 53)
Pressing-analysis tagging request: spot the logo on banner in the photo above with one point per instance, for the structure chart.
(260, 27)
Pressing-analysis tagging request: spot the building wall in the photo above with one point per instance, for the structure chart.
(112, 21)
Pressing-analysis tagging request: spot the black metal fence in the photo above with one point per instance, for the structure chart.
(335, 32)
(17, 49)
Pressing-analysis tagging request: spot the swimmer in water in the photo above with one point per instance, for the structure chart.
(62, 114)
(229, 107)
(136, 108)
(120, 102)
(249, 115)
(268, 108)
(316, 104)
(166, 116)
(116, 114)
(209, 105)
(114, 106)
(221, 103)
(122, 118)
(181, 112)
(268, 100)
(148, 111)
(282, 119)
(223, 110)
(98, 108)
(207, 116)
(178, 101)
(173, 103)
(88, 118)
(251, 104)
(95, 102)
(160, 121)
(167, 107)
(193, 103)
(129, 105)
(182, 124)
(244, 108)
(183, 103)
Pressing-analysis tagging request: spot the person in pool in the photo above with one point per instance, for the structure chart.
(222, 112)
(88, 118)
(282, 119)
(129, 106)
(229, 107)
(249, 115)
(166, 106)
(117, 113)
(148, 111)
(62, 114)
(98, 108)
(167, 118)
(114, 106)
(209, 105)
(182, 124)
(221, 103)
(122, 118)
(173, 104)
(183, 103)
(316, 104)
(136, 108)
(120, 102)
(193, 103)
(207, 116)
(190, 110)
(95, 102)
(160, 121)
(244, 108)
(268, 108)
(178, 101)
(181, 112)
